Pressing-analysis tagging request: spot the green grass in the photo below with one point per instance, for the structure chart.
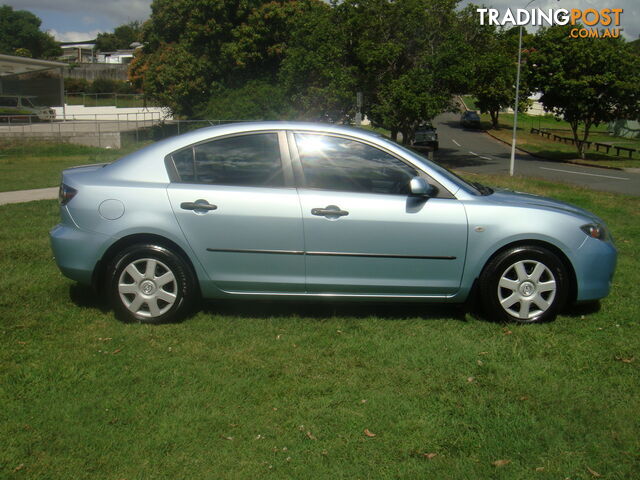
(278, 390)
(470, 101)
(547, 148)
(39, 164)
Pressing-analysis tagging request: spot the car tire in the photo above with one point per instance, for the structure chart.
(524, 284)
(151, 284)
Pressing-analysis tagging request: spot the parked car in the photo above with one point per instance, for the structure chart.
(14, 106)
(470, 119)
(305, 211)
(426, 136)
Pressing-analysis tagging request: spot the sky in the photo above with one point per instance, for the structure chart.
(77, 20)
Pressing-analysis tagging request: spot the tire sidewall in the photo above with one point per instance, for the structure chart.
(185, 284)
(496, 267)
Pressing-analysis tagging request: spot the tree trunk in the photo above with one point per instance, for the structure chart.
(574, 129)
(394, 134)
(583, 144)
(406, 136)
(494, 118)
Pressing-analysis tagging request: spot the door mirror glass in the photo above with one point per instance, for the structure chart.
(418, 186)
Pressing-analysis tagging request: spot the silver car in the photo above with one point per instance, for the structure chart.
(296, 210)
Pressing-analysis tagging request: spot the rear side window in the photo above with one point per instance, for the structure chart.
(245, 160)
(183, 160)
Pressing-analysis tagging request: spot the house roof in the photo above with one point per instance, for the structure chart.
(10, 65)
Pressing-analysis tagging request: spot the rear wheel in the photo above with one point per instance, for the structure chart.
(151, 284)
(526, 284)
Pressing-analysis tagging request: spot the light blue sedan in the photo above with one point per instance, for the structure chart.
(297, 210)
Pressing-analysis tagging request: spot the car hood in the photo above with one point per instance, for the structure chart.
(531, 200)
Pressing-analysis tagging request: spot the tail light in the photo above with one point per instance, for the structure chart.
(65, 194)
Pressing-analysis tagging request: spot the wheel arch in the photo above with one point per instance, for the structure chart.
(573, 283)
(100, 270)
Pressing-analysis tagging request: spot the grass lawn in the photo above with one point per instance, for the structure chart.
(547, 148)
(470, 101)
(39, 164)
(263, 390)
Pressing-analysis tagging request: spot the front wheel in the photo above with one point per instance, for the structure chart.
(526, 284)
(150, 284)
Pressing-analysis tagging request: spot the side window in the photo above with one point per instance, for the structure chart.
(183, 160)
(8, 102)
(245, 160)
(333, 163)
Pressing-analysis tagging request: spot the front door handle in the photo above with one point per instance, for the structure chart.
(330, 211)
(198, 205)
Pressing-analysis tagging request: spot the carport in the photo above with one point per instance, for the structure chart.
(42, 79)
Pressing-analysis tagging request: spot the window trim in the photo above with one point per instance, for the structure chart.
(285, 160)
(299, 173)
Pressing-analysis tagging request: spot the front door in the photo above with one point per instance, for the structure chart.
(364, 234)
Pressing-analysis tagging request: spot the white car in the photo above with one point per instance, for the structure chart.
(12, 106)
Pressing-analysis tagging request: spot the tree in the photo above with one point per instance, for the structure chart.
(184, 59)
(121, 38)
(408, 58)
(317, 71)
(495, 75)
(409, 99)
(255, 100)
(20, 34)
(586, 81)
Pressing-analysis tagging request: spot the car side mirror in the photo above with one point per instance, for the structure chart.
(419, 187)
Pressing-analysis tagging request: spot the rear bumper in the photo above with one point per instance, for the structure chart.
(77, 251)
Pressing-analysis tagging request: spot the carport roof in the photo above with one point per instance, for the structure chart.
(10, 65)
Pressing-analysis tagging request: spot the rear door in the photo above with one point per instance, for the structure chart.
(239, 211)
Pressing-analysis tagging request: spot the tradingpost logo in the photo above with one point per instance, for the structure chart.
(587, 20)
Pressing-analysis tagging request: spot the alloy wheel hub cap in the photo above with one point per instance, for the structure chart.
(147, 287)
(527, 289)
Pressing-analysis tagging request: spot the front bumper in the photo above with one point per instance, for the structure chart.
(77, 251)
(595, 266)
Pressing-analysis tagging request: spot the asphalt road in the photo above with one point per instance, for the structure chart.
(476, 152)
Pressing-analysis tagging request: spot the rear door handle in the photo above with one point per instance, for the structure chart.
(198, 205)
(330, 211)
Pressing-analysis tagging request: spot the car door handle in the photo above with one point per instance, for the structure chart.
(329, 211)
(198, 205)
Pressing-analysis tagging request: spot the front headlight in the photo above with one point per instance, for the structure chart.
(595, 230)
